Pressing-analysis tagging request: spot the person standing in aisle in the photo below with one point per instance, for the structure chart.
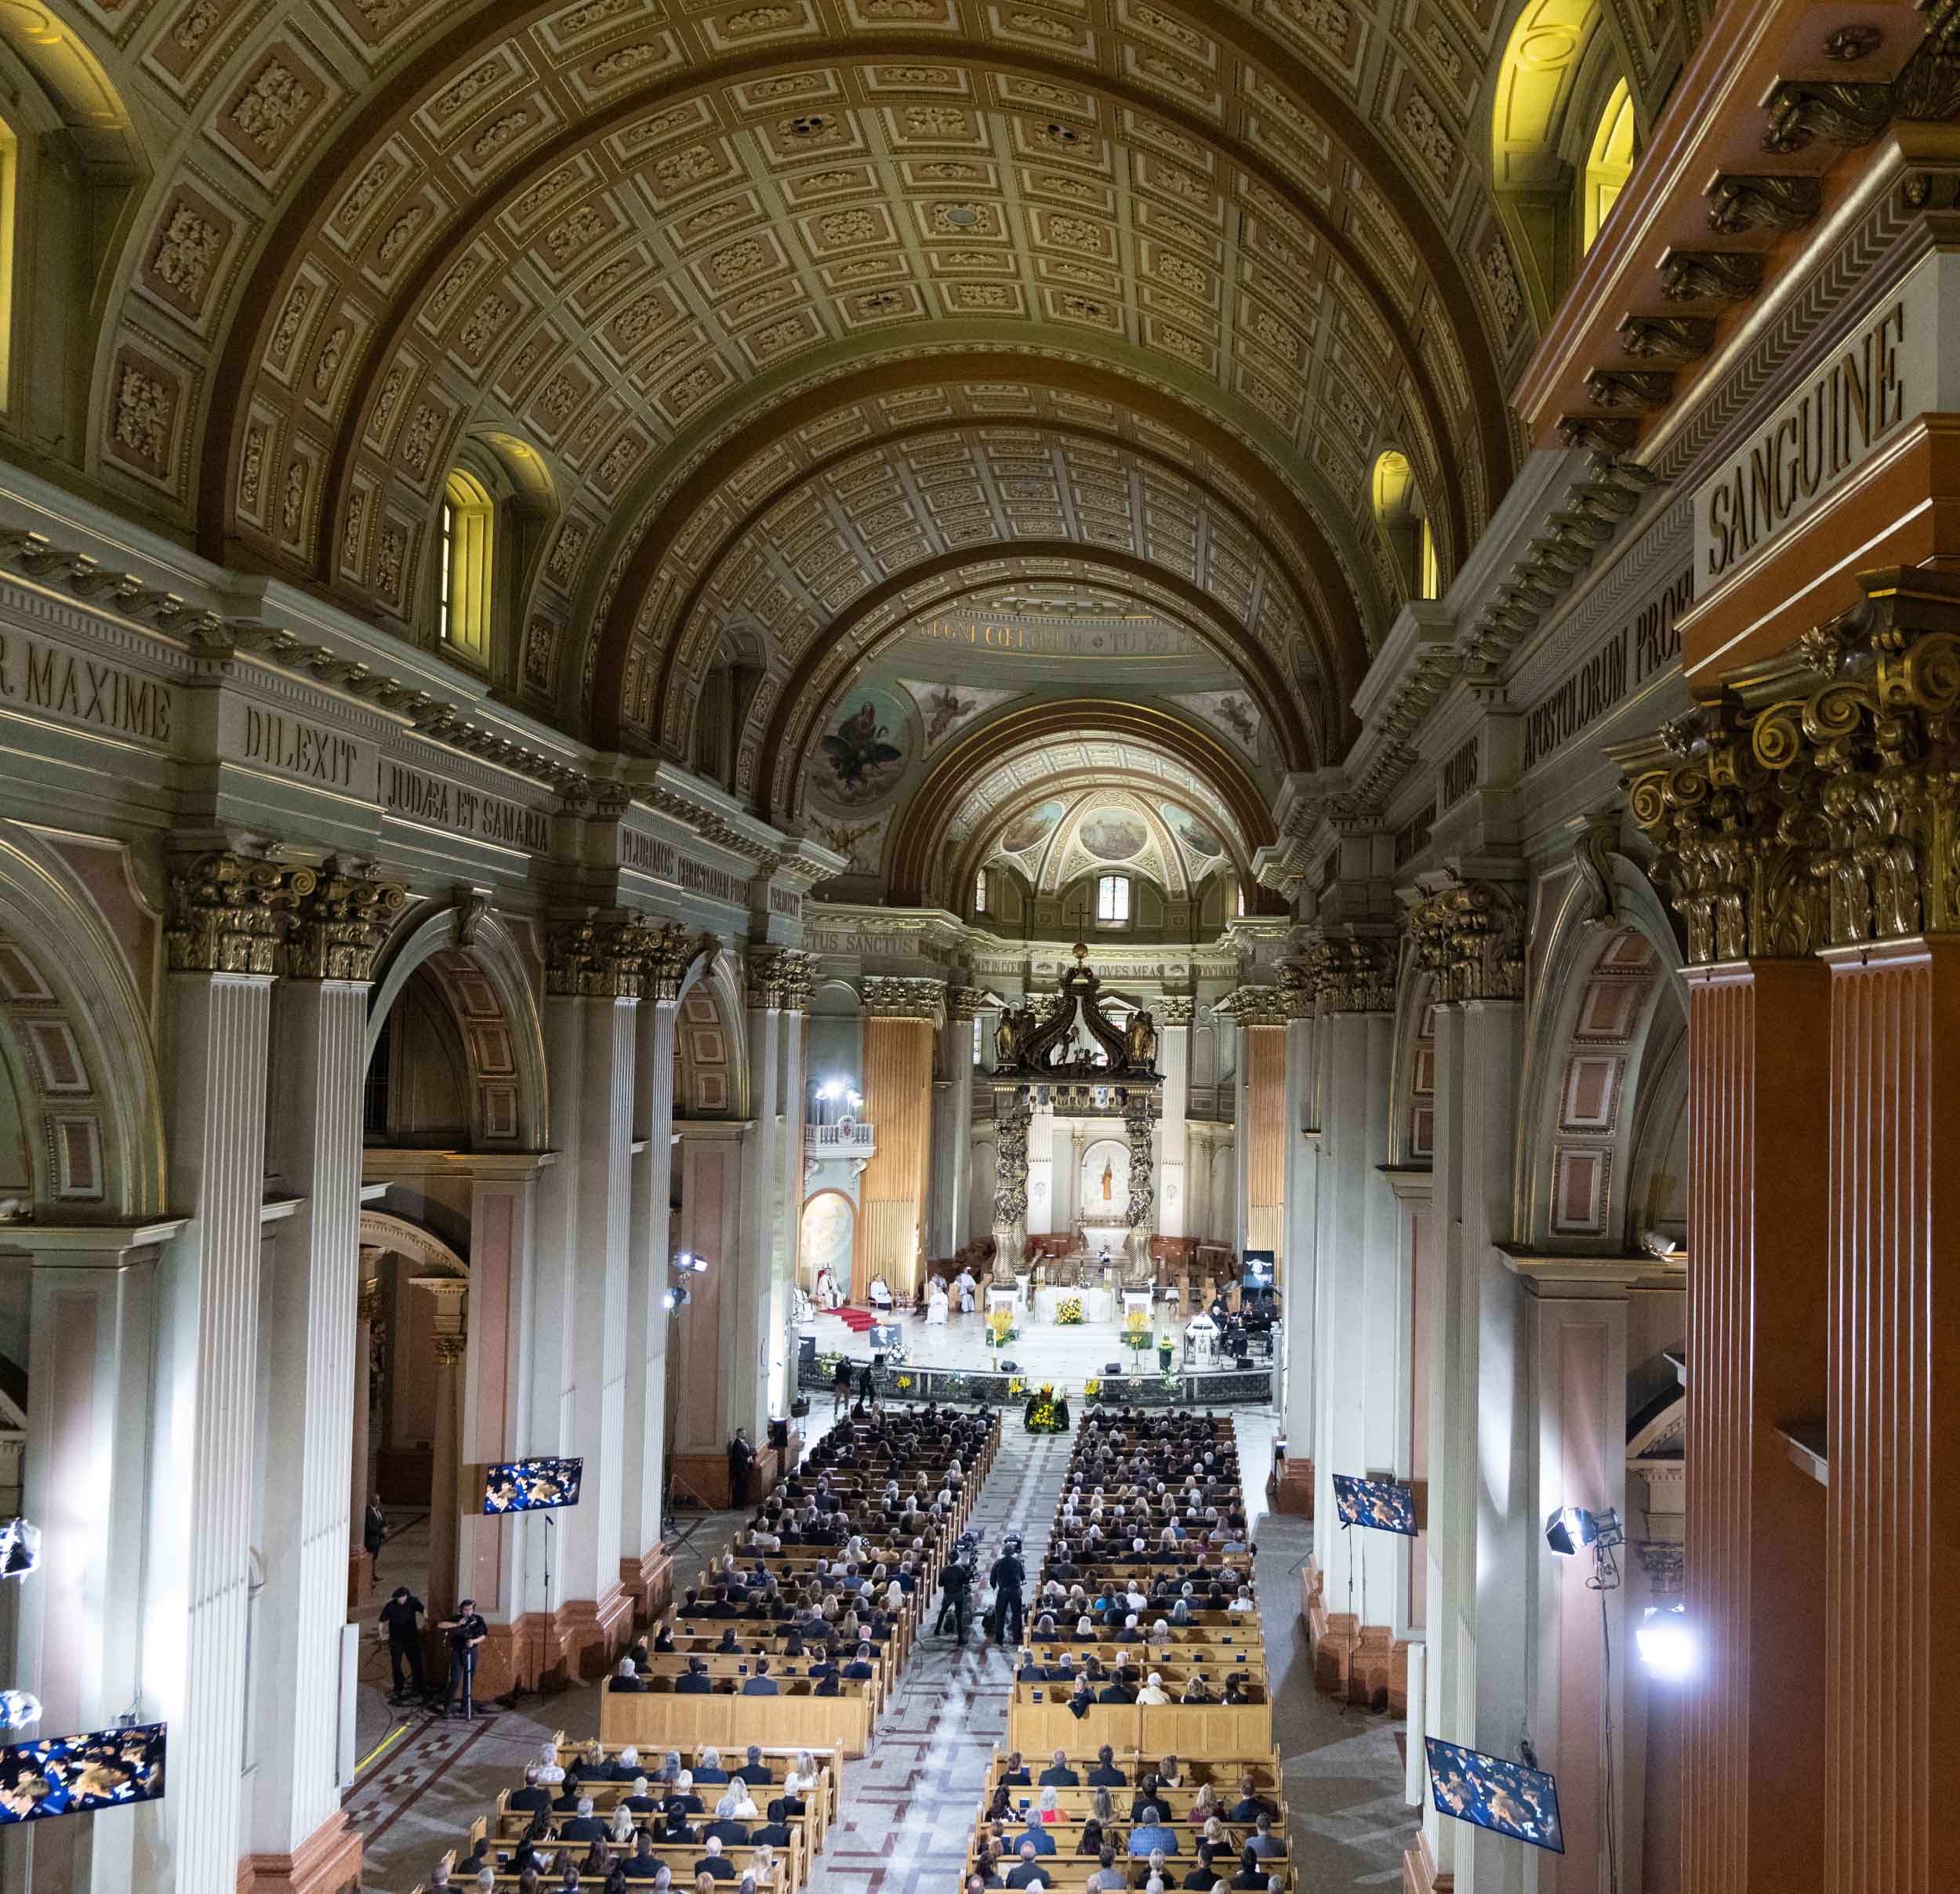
(401, 1623)
(465, 1632)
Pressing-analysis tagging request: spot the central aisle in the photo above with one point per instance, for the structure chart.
(908, 1807)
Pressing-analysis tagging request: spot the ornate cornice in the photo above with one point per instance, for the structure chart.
(1353, 973)
(903, 996)
(1469, 937)
(1817, 804)
(781, 979)
(229, 914)
(339, 924)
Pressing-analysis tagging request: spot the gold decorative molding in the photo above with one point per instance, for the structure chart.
(450, 1349)
(616, 957)
(1255, 1005)
(966, 1003)
(1469, 936)
(340, 924)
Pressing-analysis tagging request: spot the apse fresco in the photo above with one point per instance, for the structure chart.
(1113, 836)
(1032, 829)
(1196, 836)
(864, 751)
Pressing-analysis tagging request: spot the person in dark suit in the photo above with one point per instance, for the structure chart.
(399, 1619)
(774, 1833)
(374, 1532)
(533, 1795)
(1058, 1775)
(1251, 1805)
(1027, 1869)
(1205, 1873)
(762, 1684)
(755, 1772)
(696, 1682)
(625, 1676)
(715, 1863)
(1252, 1873)
(643, 1863)
(1116, 1691)
(583, 1826)
(742, 1456)
(1015, 1775)
(1105, 1775)
(860, 1668)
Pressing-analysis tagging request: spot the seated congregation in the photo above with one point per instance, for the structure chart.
(795, 1633)
(1145, 1642)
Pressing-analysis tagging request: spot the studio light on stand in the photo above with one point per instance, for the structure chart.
(1569, 1531)
(1668, 1646)
(686, 1266)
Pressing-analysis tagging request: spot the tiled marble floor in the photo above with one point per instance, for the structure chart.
(908, 1805)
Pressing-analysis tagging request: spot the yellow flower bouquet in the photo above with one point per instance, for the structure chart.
(1067, 1312)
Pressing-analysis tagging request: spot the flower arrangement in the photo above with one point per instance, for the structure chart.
(904, 1381)
(1000, 1329)
(1136, 1329)
(1091, 1389)
(1068, 1312)
(1043, 1415)
(1016, 1388)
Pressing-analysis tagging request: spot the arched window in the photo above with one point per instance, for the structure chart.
(462, 612)
(980, 892)
(1609, 163)
(1113, 902)
(1404, 520)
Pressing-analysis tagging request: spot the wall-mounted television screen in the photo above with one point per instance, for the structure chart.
(1379, 1504)
(80, 1775)
(1257, 1270)
(887, 1337)
(532, 1486)
(1496, 1794)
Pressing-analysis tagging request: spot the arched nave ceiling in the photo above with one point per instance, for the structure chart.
(625, 231)
(999, 774)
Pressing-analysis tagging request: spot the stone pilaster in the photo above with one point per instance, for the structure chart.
(901, 1015)
(337, 926)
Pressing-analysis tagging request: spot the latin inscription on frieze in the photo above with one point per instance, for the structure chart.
(60, 683)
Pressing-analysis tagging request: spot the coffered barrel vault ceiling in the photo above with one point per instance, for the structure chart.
(802, 307)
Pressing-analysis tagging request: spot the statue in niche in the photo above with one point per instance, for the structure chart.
(1109, 1180)
(1007, 1040)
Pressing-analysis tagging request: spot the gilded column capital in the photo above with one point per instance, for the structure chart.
(1179, 1009)
(450, 1349)
(368, 1303)
(1727, 834)
(1469, 936)
(781, 979)
(603, 958)
(1254, 1004)
(1353, 973)
(339, 923)
(966, 1003)
(1297, 988)
(228, 915)
(669, 957)
(904, 996)
(1856, 734)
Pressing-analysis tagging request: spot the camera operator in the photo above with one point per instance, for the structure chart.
(956, 1584)
(465, 1632)
(1007, 1577)
(400, 1623)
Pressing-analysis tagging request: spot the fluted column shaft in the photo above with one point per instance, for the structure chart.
(750, 1316)
(1174, 1133)
(1262, 1059)
(1299, 1254)
(648, 1276)
(360, 1567)
(309, 1331)
(200, 1565)
(897, 1088)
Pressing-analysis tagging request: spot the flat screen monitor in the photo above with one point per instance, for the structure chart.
(1496, 1794)
(887, 1337)
(80, 1775)
(1256, 1269)
(1381, 1505)
(532, 1486)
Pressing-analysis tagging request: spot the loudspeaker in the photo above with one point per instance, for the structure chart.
(1010, 1367)
(1113, 1368)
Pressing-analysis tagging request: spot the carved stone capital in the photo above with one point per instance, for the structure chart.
(1469, 937)
(229, 914)
(1297, 988)
(904, 996)
(1353, 973)
(1179, 1010)
(603, 958)
(450, 1349)
(669, 957)
(966, 1003)
(781, 979)
(340, 924)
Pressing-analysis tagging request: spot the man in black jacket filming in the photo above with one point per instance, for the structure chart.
(1007, 1577)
